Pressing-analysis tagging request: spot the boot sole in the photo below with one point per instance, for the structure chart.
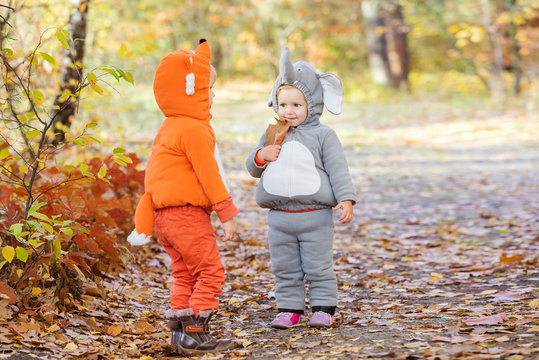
(195, 351)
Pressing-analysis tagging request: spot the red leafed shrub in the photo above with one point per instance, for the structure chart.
(59, 223)
(80, 227)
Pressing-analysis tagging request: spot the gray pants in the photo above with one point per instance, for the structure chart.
(301, 247)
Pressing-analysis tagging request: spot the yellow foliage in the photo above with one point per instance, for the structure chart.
(8, 252)
(36, 291)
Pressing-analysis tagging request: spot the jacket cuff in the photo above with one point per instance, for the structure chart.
(258, 162)
(225, 209)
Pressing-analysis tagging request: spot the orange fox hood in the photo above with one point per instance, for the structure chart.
(182, 81)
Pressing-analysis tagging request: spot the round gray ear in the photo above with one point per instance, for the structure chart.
(333, 92)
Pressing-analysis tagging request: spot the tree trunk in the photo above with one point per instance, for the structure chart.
(397, 47)
(66, 106)
(511, 4)
(496, 82)
(387, 39)
(378, 62)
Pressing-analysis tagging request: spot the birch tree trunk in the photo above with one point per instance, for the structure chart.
(66, 102)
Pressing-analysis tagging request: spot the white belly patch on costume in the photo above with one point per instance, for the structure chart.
(293, 173)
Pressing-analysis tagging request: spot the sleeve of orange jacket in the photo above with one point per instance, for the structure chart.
(226, 210)
(199, 147)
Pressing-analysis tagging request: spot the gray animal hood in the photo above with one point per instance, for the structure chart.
(319, 89)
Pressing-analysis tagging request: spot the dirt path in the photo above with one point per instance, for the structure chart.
(439, 263)
(442, 237)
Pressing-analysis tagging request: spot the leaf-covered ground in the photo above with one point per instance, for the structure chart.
(440, 261)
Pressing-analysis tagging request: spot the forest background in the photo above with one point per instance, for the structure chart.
(78, 118)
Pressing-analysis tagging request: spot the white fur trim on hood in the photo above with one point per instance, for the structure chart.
(138, 239)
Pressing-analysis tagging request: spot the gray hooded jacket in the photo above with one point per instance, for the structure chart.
(311, 171)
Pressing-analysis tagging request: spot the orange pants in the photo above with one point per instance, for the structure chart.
(187, 235)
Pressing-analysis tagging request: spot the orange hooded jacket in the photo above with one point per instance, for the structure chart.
(182, 169)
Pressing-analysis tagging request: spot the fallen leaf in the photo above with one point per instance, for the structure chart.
(487, 292)
(142, 327)
(454, 339)
(488, 320)
(53, 328)
(36, 291)
(7, 292)
(509, 296)
(24, 327)
(435, 277)
(5, 310)
(504, 259)
(115, 329)
(415, 345)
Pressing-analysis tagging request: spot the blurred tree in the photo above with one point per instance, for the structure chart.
(487, 37)
(496, 82)
(247, 36)
(511, 5)
(387, 38)
(520, 35)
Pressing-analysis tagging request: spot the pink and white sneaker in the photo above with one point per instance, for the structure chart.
(320, 319)
(285, 320)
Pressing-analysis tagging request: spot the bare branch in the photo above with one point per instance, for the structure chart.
(14, 149)
(5, 19)
(13, 175)
(26, 90)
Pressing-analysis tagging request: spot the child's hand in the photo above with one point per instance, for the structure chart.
(269, 153)
(347, 211)
(229, 227)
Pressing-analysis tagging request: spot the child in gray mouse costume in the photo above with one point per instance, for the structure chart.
(302, 181)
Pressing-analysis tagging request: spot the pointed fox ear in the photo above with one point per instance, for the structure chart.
(204, 49)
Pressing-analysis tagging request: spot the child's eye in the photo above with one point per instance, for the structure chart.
(297, 105)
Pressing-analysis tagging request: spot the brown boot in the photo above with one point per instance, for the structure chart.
(203, 319)
(195, 337)
(175, 326)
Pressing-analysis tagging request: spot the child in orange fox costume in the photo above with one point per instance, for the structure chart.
(183, 185)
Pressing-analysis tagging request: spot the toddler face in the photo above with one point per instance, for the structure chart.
(292, 106)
